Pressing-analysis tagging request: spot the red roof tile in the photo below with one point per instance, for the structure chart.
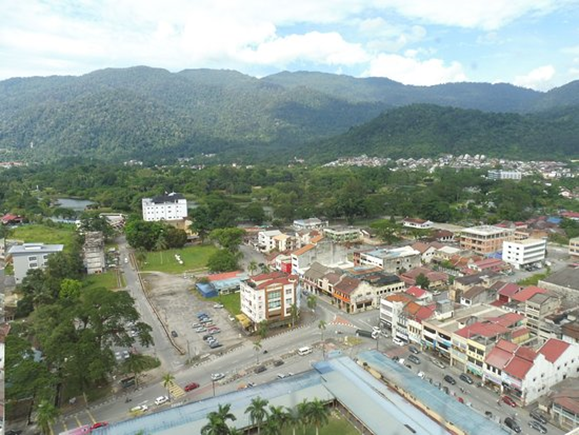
(518, 367)
(416, 291)
(498, 357)
(553, 349)
(509, 290)
(507, 345)
(225, 275)
(424, 313)
(527, 292)
(520, 332)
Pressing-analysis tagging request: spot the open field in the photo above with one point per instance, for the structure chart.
(336, 425)
(231, 302)
(194, 257)
(62, 234)
(107, 280)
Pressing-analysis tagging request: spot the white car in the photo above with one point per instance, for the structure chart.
(281, 375)
(161, 399)
(421, 375)
(139, 408)
(397, 341)
(376, 328)
(217, 376)
(218, 306)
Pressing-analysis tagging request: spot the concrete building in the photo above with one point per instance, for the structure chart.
(537, 308)
(390, 260)
(30, 256)
(343, 234)
(419, 224)
(266, 240)
(565, 283)
(574, 247)
(309, 224)
(402, 314)
(168, 207)
(485, 239)
(525, 253)
(269, 297)
(497, 174)
(93, 252)
(563, 403)
(322, 251)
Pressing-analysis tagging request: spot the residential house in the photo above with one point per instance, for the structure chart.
(323, 251)
(537, 308)
(426, 250)
(11, 219)
(266, 240)
(29, 256)
(488, 265)
(343, 234)
(563, 404)
(309, 224)
(485, 239)
(437, 280)
(477, 295)
(565, 283)
(168, 207)
(312, 278)
(284, 242)
(525, 253)
(574, 247)
(93, 252)
(419, 224)
(390, 260)
(442, 236)
(463, 283)
(269, 297)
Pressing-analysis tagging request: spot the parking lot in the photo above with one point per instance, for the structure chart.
(178, 306)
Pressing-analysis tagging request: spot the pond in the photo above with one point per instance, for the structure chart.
(75, 204)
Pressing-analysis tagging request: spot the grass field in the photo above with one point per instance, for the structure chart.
(107, 280)
(194, 257)
(231, 302)
(336, 425)
(63, 234)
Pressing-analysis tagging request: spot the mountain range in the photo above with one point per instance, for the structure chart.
(149, 114)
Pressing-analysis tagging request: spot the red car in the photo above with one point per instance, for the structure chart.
(98, 424)
(191, 386)
(509, 401)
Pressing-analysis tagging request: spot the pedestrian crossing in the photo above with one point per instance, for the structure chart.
(175, 390)
(338, 320)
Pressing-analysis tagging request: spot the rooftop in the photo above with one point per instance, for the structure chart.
(384, 253)
(553, 349)
(568, 277)
(167, 197)
(485, 230)
(30, 248)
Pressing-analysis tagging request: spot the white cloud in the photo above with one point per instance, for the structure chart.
(412, 71)
(538, 79)
(385, 36)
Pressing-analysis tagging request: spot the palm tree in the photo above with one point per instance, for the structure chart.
(161, 245)
(312, 302)
(252, 267)
(303, 414)
(141, 256)
(168, 379)
(265, 268)
(294, 313)
(46, 415)
(293, 419)
(271, 427)
(318, 414)
(218, 421)
(136, 364)
(322, 328)
(257, 412)
(279, 416)
(257, 347)
(262, 329)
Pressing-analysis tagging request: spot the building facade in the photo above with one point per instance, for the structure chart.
(390, 260)
(343, 234)
(93, 252)
(168, 207)
(30, 256)
(574, 247)
(524, 253)
(309, 224)
(485, 239)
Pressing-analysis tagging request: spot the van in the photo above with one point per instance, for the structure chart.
(397, 341)
(304, 350)
(363, 333)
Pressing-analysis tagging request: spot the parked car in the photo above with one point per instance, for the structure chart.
(139, 409)
(278, 362)
(174, 334)
(260, 369)
(509, 401)
(161, 399)
(538, 416)
(414, 350)
(489, 414)
(395, 358)
(421, 375)
(397, 341)
(99, 424)
(218, 306)
(201, 314)
(512, 424)
(192, 386)
(413, 359)
(201, 329)
(206, 320)
(217, 376)
(196, 325)
(215, 344)
(466, 378)
(537, 426)
(376, 329)
(450, 380)
(281, 376)
(437, 363)
(214, 330)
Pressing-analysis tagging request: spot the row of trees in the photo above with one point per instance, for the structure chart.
(270, 420)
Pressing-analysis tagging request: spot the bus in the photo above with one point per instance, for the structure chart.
(77, 431)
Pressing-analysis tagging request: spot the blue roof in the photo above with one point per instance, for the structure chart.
(206, 289)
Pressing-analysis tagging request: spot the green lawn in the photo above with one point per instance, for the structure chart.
(231, 302)
(61, 234)
(107, 280)
(336, 425)
(194, 257)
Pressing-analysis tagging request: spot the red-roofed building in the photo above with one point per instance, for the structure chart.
(527, 293)
(489, 264)
(11, 219)
(526, 374)
(269, 297)
(403, 313)
(436, 279)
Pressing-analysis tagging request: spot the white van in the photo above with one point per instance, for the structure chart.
(398, 341)
(304, 350)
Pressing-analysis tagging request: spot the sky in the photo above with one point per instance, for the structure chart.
(529, 43)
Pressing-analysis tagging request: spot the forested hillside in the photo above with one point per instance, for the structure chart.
(149, 114)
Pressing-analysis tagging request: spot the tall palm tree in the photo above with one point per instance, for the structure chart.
(252, 267)
(262, 329)
(294, 313)
(257, 412)
(265, 268)
(279, 416)
(293, 419)
(271, 427)
(46, 415)
(161, 245)
(257, 347)
(322, 328)
(136, 364)
(218, 421)
(312, 302)
(168, 379)
(303, 413)
(318, 414)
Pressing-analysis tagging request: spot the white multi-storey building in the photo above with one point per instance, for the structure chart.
(30, 256)
(524, 253)
(390, 260)
(497, 174)
(269, 297)
(266, 241)
(169, 207)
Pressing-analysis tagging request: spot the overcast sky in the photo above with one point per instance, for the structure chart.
(531, 43)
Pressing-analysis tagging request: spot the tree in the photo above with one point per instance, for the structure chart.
(257, 412)
(293, 419)
(46, 415)
(303, 414)
(218, 421)
(252, 267)
(141, 234)
(174, 237)
(265, 268)
(168, 381)
(161, 245)
(254, 213)
(141, 256)
(257, 347)
(422, 281)
(136, 364)
(228, 238)
(279, 418)
(294, 313)
(70, 289)
(262, 329)
(312, 302)
(318, 414)
(222, 261)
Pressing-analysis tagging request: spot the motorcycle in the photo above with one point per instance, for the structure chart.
(128, 399)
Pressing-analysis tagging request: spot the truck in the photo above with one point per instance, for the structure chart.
(364, 333)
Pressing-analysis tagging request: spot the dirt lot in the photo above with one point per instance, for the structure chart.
(178, 305)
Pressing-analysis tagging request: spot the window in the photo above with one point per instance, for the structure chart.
(33, 258)
(33, 265)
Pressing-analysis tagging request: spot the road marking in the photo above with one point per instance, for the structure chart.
(91, 416)
(64, 425)
(78, 421)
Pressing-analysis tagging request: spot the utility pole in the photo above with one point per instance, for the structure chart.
(213, 383)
